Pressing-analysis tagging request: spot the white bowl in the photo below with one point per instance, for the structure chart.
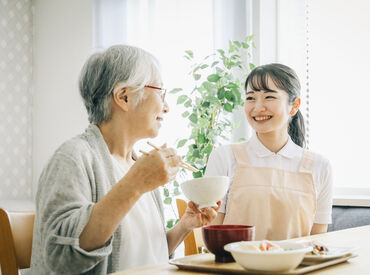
(288, 259)
(206, 191)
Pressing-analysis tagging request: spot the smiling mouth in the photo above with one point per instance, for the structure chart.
(262, 118)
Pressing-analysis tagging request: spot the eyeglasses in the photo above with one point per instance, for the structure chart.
(161, 90)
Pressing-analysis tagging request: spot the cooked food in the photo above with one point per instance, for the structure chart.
(263, 246)
(319, 249)
(266, 245)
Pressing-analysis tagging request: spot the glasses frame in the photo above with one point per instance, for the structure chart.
(162, 90)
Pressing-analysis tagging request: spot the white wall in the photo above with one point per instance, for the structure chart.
(62, 42)
(15, 100)
(340, 93)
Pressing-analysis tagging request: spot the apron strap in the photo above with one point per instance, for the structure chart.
(308, 159)
(240, 153)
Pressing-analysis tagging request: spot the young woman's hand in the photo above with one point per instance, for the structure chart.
(155, 169)
(194, 217)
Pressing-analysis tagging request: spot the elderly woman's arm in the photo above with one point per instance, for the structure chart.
(193, 218)
(147, 174)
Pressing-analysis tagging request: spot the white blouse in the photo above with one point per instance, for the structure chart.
(222, 162)
(142, 232)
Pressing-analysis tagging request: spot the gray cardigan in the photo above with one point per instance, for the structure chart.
(78, 175)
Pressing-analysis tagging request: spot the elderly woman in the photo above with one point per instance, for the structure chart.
(98, 207)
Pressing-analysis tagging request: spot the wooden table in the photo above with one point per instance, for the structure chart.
(358, 236)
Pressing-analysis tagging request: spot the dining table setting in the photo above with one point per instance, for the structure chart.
(350, 254)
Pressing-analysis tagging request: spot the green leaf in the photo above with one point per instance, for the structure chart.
(176, 90)
(231, 85)
(167, 200)
(203, 122)
(221, 93)
(237, 43)
(249, 38)
(213, 78)
(222, 52)
(193, 118)
(197, 174)
(206, 104)
(175, 183)
(230, 96)
(197, 76)
(176, 192)
(181, 99)
(166, 193)
(201, 138)
(251, 66)
(196, 69)
(177, 220)
(170, 223)
(196, 153)
(181, 143)
(228, 107)
(231, 47)
(235, 56)
(215, 63)
(185, 114)
(188, 103)
(208, 149)
(190, 53)
(204, 66)
(245, 45)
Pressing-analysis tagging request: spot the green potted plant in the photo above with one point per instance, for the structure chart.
(219, 82)
(218, 88)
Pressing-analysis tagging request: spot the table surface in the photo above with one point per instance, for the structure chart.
(358, 236)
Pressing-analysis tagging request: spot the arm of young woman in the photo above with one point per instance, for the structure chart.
(318, 228)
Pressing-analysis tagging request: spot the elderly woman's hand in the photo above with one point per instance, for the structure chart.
(194, 217)
(155, 169)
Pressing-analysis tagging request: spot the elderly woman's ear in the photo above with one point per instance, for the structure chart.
(120, 97)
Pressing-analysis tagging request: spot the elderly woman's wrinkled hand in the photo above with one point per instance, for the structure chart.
(195, 217)
(156, 168)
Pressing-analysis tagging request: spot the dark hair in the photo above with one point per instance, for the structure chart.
(286, 79)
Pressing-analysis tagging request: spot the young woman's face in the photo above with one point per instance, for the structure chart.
(267, 111)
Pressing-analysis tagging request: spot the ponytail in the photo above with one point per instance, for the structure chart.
(297, 130)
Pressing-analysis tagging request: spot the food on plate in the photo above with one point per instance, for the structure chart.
(266, 245)
(263, 246)
(319, 249)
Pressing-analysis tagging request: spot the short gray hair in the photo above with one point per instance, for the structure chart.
(130, 66)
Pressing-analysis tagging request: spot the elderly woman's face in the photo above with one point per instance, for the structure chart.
(150, 111)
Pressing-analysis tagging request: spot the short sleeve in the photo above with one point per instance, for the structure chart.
(324, 192)
(220, 163)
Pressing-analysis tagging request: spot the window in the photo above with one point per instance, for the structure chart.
(338, 66)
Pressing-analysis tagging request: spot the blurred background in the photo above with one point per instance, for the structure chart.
(44, 43)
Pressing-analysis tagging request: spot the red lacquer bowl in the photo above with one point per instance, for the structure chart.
(215, 237)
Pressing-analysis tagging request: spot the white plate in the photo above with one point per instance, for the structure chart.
(334, 252)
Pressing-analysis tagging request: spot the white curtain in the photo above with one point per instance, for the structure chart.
(167, 28)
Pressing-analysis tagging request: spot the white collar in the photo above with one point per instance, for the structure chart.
(289, 150)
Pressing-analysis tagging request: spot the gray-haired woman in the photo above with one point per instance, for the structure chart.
(98, 209)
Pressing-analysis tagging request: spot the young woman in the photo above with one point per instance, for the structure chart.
(282, 189)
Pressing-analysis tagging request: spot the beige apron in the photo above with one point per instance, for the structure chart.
(280, 204)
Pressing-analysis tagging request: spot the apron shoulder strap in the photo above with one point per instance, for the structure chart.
(308, 159)
(240, 153)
